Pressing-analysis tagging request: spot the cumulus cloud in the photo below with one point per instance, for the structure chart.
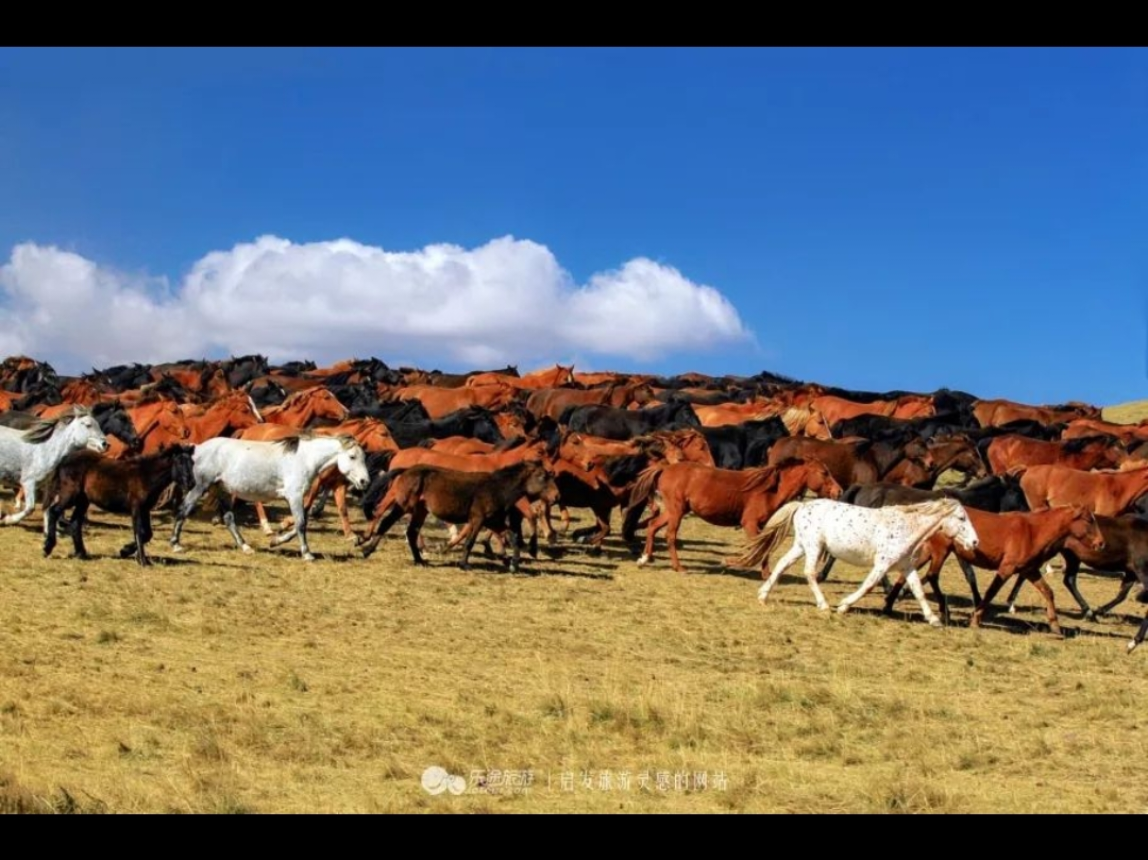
(508, 301)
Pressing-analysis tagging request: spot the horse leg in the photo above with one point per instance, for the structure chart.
(672, 538)
(29, 489)
(811, 578)
(565, 513)
(880, 568)
(1045, 590)
(1071, 569)
(659, 522)
(344, 514)
(1142, 597)
(919, 593)
(189, 502)
(823, 576)
(299, 518)
(383, 525)
(1006, 570)
(795, 552)
(81, 509)
(970, 578)
(524, 507)
(51, 523)
(261, 512)
(475, 524)
(227, 501)
(1122, 595)
(418, 517)
(942, 601)
(139, 530)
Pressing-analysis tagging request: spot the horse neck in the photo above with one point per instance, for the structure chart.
(318, 454)
(53, 449)
(1051, 527)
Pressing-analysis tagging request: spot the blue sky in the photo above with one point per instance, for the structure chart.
(878, 218)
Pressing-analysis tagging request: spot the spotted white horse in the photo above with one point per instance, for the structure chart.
(264, 471)
(29, 457)
(885, 539)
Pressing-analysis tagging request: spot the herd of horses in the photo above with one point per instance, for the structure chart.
(490, 452)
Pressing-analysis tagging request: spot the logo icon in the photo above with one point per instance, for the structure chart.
(436, 780)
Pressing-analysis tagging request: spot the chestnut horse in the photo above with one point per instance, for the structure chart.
(1105, 493)
(1085, 453)
(721, 497)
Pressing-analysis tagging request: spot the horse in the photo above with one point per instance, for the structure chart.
(1011, 543)
(721, 497)
(1084, 453)
(1104, 493)
(262, 471)
(609, 422)
(889, 539)
(120, 486)
(477, 499)
(27, 457)
(1125, 552)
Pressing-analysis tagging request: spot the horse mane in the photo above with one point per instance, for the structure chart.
(1077, 445)
(933, 506)
(43, 429)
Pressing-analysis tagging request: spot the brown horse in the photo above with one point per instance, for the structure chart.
(721, 497)
(303, 408)
(129, 487)
(440, 402)
(226, 416)
(1085, 453)
(957, 454)
(550, 377)
(1107, 493)
(995, 413)
(475, 500)
(552, 402)
(851, 462)
(1126, 433)
(1010, 543)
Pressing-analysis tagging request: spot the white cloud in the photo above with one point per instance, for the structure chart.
(508, 301)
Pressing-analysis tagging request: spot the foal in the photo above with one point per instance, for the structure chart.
(129, 486)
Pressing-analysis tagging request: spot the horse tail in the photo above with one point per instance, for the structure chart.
(757, 550)
(643, 488)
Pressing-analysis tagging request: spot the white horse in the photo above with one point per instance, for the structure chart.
(28, 457)
(887, 539)
(263, 471)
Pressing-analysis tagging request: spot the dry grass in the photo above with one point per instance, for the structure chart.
(228, 683)
(1126, 413)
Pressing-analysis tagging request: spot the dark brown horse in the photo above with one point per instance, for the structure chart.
(721, 497)
(124, 486)
(477, 500)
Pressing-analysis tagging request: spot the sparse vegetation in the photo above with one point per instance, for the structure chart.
(220, 682)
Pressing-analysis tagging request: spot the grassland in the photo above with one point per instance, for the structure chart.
(219, 682)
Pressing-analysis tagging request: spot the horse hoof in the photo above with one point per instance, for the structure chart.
(175, 547)
(935, 622)
(643, 559)
(1132, 646)
(308, 557)
(1090, 616)
(247, 548)
(842, 609)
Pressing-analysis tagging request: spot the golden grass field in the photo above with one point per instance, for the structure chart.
(220, 682)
